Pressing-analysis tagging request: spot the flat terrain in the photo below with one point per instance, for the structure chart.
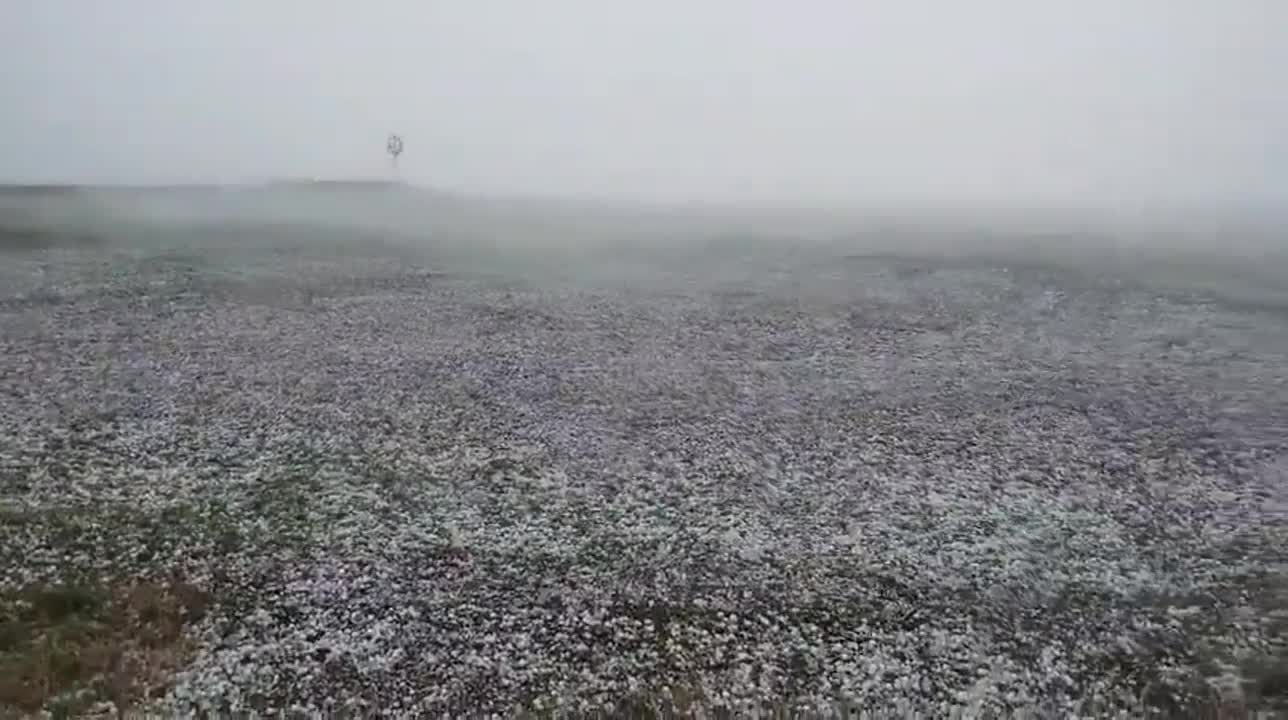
(328, 471)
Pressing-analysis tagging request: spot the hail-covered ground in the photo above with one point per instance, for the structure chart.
(716, 476)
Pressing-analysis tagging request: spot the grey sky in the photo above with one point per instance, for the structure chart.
(1055, 101)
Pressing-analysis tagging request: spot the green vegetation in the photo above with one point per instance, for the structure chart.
(66, 647)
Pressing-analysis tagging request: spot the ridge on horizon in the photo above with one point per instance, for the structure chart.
(57, 188)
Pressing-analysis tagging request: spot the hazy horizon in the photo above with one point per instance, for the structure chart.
(1094, 106)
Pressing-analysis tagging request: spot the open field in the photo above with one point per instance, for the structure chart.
(464, 462)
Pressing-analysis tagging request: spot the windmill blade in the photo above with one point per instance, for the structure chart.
(394, 146)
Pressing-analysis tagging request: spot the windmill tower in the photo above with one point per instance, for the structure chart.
(394, 146)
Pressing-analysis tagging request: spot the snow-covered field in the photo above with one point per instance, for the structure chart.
(720, 477)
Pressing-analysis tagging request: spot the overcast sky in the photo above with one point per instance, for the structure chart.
(1052, 101)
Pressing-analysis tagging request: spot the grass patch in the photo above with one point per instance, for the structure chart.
(20, 238)
(65, 647)
(72, 543)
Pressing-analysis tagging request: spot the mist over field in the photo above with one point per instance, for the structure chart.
(397, 447)
(1234, 257)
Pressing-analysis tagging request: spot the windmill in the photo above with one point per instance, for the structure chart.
(394, 146)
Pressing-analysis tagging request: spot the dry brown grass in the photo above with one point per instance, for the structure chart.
(64, 648)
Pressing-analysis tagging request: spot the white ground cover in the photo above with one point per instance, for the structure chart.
(715, 481)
